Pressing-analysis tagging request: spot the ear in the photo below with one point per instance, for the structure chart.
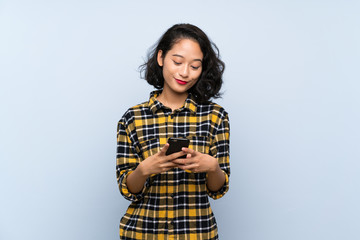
(160, 59)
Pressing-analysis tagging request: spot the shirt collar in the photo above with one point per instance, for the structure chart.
(155, 105)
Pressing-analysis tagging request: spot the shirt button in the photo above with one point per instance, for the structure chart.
(172, 195)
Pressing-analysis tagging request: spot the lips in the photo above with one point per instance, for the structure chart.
(180, 81)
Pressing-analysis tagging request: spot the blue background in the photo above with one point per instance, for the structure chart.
(68, 71)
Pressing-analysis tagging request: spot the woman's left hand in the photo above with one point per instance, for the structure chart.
(197, 162)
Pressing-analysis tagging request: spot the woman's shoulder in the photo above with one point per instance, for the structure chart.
(129, 115)
(139, 107)
(213, 108)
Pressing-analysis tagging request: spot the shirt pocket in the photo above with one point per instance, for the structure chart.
(149, 147)
(199, 143)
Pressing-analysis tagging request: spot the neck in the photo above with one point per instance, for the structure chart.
(172, 100)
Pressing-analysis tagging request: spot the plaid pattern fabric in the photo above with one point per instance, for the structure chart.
(174, 204)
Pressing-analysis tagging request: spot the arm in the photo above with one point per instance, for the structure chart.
(216, 178)
(220, 149)
(215, 165)
(154, 164)
(132, 171)
(127, 159)
(200, 162)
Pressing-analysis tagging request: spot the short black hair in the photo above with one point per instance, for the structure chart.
(210, 81)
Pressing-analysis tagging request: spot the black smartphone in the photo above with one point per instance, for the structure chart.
(175, 145)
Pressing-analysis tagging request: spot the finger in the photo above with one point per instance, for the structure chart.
(165, 169)
(175, 155)
(185, 161)
(180, 161)
(164, 149)
(188, 150)
(192, 167)
(168, 165)
(189, 160)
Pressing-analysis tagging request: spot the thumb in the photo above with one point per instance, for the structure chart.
(164, 149)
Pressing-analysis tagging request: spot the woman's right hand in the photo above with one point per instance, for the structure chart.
(154, 164)
(159, 162)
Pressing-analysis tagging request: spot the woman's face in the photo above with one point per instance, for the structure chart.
(182, 66)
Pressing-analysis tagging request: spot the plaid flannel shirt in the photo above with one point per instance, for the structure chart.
(173, 204)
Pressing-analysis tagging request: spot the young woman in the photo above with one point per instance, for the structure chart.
(169, 194)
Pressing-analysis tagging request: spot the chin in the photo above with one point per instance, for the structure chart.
(181, 90)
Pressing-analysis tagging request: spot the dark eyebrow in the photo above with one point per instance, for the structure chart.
(177, 55)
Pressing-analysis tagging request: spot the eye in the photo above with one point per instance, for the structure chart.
(176, 63)
(195, 68)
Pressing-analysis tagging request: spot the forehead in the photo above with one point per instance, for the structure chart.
(187, 48)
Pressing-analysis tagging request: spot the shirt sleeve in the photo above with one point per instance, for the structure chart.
(127, 159)
(220, 148)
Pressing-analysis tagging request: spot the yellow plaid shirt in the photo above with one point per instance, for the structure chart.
(174, 204)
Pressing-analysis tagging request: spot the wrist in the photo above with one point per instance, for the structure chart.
(142, 170)
(215, 168)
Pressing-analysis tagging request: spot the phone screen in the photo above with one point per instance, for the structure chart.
(176, 144)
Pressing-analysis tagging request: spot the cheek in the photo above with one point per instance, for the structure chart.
(193, 82)
(197, 75)
(168, 70)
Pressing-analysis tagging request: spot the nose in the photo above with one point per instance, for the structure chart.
(184, 71)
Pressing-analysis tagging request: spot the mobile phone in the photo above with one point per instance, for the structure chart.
(175, 145)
